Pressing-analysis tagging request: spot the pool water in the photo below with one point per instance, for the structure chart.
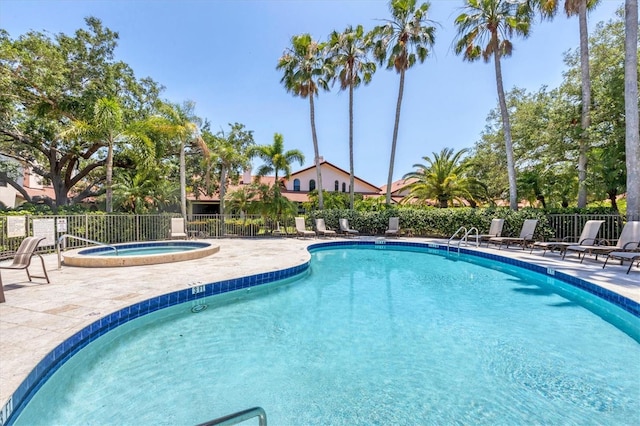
(366, 337)
(142, 251)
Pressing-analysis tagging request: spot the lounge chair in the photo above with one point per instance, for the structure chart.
(628, 242)
(631, 256)
(301, 229)
(177, 228)
(321, 227)
(22, 260)
(587, 237)
(394, 227)
(526, 235)
(344, 227)
(495, 230)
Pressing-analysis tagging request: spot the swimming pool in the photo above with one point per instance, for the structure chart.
(322, 342)
(136, 254)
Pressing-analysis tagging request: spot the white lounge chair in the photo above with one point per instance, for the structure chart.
(631, 256)
(177, 228)
(301, 229)
(629, 241)
(344, 227)
(587, 237)
(495, 230)
(321, 227)
(526, 235)
(394, 227)
(22, 260)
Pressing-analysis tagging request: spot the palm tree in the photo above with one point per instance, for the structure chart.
(484, 30)
(349, 52)
(443, 178)
(401, 42)
(548, 9)
(230, 152)
(179, 123)
(632, 133)
(305, 73)
(143, 190)
(108, 125)
(275, 158)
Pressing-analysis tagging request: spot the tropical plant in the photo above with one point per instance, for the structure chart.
(230, 153)
(305, 71)
(548, 9)
(108, 126)
(484, 31)
(403, 40)
(443, 178)
(349, 54)
(180, 124)
(241, 200)
(144, 190)
(276, 158)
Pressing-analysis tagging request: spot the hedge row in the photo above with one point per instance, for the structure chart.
(440, 223)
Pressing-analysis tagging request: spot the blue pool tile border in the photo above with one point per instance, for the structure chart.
(58, 356)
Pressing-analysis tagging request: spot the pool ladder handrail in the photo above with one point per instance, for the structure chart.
(63, 239)
(239, 417)
(465, 237)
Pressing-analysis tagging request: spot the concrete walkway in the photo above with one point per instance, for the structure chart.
(37, 317)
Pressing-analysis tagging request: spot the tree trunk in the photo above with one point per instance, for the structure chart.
(632, 132)
(316, 153)
(223, 180)
(351, 179)
(395, 137)
(613, 195)
(586, 105)
(506, 128)
(109, 183)
(183, 182)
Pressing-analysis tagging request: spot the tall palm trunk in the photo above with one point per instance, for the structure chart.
(506, 127)
(395, 137)
(223, 180)
(632, 136)
(109, 192)
(586, 105)
(351, 179)
(316, 153)
(183, 181)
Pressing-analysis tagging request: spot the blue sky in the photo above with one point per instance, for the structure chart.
(223, 54)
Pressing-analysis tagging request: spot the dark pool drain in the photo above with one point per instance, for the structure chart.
(198, 308)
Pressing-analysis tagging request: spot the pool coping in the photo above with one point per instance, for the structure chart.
(55, 358)
(83, 257)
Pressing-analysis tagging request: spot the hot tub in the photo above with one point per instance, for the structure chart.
(136, 254)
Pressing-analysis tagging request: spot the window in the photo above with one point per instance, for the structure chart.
(296, 184)
(336, 186)
(312, 185)
(344, 187)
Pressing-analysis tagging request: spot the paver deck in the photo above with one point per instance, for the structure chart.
(37, 317)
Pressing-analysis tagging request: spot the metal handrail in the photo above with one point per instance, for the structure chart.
(454, 235)
(63, 238)
(473, 228)
(239, 417)
(464, 237)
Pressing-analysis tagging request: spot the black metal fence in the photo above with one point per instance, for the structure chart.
(121, 228)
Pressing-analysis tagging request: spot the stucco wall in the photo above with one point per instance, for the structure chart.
(329, 176)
